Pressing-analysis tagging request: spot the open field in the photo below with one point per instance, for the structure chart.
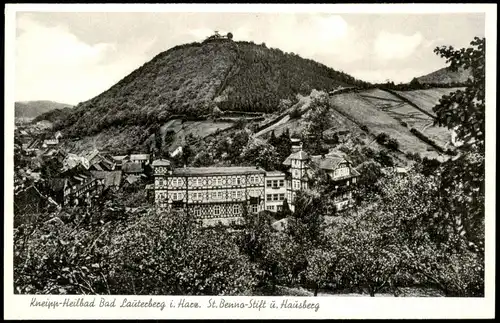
(404, 112)
(199, 129)
(362, 111)
(427, 99)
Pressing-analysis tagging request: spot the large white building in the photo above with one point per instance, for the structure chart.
(220, 193)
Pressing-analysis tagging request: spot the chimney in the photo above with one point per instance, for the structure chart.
(296, 145)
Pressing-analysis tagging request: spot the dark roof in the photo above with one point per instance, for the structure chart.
(300, 155)
(112, 178)
(131, 167)
(56, 184)
(203, 171)
(328, 162)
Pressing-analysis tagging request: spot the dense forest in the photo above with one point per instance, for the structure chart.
(193, 79)
(53, 115)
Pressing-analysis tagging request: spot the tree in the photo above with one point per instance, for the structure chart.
(156, 254)
(415, 84)
(393, 144)
(370, 172)
(261, 154)
(272, 139)
(382, 138)
(464, 112)
(384, 159)
(230, 36)
(318, 118)
(419, 222)
(367, 257)
(307, 221)
(321, 269)
(187, 153)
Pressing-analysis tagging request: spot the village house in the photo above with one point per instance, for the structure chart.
(50, 143)
(343, 175)
(32, 146)
(108, 179)
(142, 159)
(100, 161)
(73, 187)
(120, 160)
(73, 160)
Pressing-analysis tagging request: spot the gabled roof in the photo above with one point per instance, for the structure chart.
(299, 155)
(328, 162)
(161, 162)
(91, 155)
(139, 157)
(120, 158)
(112, 178)
(35, 142)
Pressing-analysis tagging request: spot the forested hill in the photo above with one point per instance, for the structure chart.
(194, 78)
(32, 109)
(445, 76)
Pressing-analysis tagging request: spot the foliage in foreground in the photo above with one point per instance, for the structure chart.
(153, 254)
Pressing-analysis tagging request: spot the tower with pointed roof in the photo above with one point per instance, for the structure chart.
(297, 179)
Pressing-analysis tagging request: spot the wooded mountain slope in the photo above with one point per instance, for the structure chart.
(192, 79)
(445, 76)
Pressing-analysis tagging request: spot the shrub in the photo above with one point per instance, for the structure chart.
(382, 138)
(295, 113)
(392, 144)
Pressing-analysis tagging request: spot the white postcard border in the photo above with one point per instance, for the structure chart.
(18, 306)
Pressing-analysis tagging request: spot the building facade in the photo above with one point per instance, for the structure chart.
(208, 193)
(221, 193)
(276, 191)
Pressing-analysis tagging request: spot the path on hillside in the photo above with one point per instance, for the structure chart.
(273, 126)
(409, 102)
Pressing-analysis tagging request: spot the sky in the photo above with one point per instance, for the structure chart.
(72, 57)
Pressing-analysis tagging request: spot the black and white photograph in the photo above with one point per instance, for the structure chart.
(272, 162)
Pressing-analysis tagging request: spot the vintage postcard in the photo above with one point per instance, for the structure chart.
(249, 161)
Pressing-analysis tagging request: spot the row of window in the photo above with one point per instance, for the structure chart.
(273, 207)
(344, 171)
(342, 197)
(204, 195)
(275, 197)
(275, 183)
(296, 185)
(254, 179)
(217, 211)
